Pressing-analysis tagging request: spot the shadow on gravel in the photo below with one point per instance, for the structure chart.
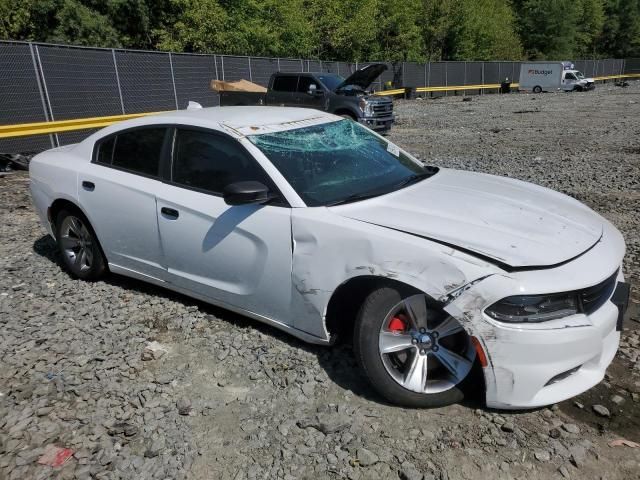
(338, 361)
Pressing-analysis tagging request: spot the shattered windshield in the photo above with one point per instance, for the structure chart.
(579, 75)
(339, 162)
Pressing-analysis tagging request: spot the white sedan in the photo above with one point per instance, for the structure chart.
(445, 280)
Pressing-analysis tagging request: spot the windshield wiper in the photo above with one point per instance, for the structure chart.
(415, 178)
(354, 197)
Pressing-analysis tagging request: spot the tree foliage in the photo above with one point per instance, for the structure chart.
(354, 30)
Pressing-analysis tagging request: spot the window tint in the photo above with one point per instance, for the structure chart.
(570, 76)
(104, 153)
(304, 82)
(285, 83)
(211, 162)
(139, 150)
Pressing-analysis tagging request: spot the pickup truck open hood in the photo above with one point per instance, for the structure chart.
(513, 223)
(364, 77)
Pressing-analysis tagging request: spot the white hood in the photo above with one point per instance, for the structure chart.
(516, 223)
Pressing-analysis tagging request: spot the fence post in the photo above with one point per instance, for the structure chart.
(44, 104)
(250, 73)
(278, 60)
(464, 79)
(482, 79)
(446, 77)
(215, 66)
(173, 81)
(46, 93)
(115, 66)
(222, 66)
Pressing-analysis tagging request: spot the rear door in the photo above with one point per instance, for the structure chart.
(238, 256)
(284, 91)
(118, 192)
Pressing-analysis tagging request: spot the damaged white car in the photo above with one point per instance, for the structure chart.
(320, 227)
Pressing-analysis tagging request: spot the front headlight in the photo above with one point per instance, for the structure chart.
(534, 308)
(366, 107)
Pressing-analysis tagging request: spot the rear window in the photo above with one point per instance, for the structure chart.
(285, 83)
(137, 151)
(104, 153)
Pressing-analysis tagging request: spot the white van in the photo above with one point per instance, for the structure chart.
(539, 77)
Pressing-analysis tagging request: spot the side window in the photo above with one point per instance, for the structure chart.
(285, 83)
(104, 153)
(210, 162)
(138, 150)
(304, 82)
(570, 76)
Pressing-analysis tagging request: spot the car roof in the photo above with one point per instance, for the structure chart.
(235, 121)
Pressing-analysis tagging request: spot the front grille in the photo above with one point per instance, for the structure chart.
(382, 109)
(593, 298)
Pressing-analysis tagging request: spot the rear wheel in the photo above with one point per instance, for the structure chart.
(537, 89)
(413, 352)
(79, 246)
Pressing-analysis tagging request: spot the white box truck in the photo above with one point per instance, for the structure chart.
(539, 77)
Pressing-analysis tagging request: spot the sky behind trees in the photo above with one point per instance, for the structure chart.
(351, 30)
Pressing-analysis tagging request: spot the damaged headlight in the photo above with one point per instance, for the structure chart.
(534, 308)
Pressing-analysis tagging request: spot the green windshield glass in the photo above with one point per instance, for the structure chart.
(339, 162)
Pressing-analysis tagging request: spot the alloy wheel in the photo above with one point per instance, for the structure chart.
(77, 243)
(424, 349)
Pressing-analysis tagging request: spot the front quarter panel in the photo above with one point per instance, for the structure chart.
(329, 250)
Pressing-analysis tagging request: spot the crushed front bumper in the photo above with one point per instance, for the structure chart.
(532, 368)
(535, 364)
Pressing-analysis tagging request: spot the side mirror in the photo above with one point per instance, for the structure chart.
(313, 89)
(243, 193)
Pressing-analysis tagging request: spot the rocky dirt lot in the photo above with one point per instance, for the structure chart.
(138, 382)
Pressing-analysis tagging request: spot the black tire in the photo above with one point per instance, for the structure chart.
(537, 89)
(79, 248)
(373, 313)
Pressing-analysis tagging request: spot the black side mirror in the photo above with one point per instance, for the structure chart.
(242, 193)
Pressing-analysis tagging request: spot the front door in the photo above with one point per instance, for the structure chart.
(238, 256)
(315, 99)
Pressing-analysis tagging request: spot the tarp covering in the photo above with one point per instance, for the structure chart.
(238, 86)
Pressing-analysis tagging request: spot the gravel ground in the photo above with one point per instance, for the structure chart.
(142, 383)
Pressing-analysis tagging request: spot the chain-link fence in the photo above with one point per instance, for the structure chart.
(44, 82)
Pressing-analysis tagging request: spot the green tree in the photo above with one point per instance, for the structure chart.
(343, 29)
(80, 25)
(15, 18)
(441, 25)
(590, 23)
(399, 36)
(487, 32)
(548, 28)
(621, 30)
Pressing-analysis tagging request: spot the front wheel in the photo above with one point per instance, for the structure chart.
(414, 353)
(537, 89)
(79, 246)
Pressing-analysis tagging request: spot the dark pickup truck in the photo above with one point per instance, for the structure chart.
(324, 91)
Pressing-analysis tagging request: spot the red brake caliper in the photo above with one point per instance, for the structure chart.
(397, 324)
